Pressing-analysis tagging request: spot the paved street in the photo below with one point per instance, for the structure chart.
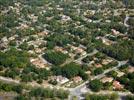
(89, 54)
(9, 80)
(79, 59)
(81, 89)
(77, 91)
(125, 21)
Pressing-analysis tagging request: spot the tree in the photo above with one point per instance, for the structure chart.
(95, 85)
(56, 70)
(21, 97)
(26, 78)
(55, 58)
(129, 97)
(96, 97)
(58, 39)
(132, 59)
(83, 75)
(62, 94)
(123, 80)
(24, 46)
(53, 82)
(114, 96)
(6, 87)
(50, 45)
(18, 88)
(130, 85)
(70, 70)
(112, 74)
(98, 71)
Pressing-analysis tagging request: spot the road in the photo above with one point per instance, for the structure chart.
(77, 91)
(125, 21)
(79, 59)
(81, 89)
(9, 80)
(82, 57)
(120, 93)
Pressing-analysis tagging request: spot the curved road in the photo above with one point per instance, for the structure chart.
(77, 91)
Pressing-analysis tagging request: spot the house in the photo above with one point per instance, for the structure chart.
(49, 18)
(60, 9)
(4, 40)
(117, 85)
(65, 18)
(38, 50)
(107, 79)
(105, 40)
(117, 33)
(89, 12)
(31, 51)
(3, 46)
(114, 32)
(43, 33)
(77, 79)
(11, 38)
(33, 17)
(88, 72)
(78, 50)
(38, 63)
(72, 55)
(130, 69)
(106, 61)
(119, 73)
(98, 65)
(60, 79)
(22, 26)
(61, 49)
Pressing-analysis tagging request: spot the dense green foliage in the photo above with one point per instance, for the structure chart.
(129, 97)
(95, 85)
(70, 70)
(14, 58)
(47, 93)
(59, 39)
(101, 97)
(11, 87)
(128, 81)
(33, 92)
(121, 51)
(98, 71)
(55, 58)
(112, 74)
(74, 22)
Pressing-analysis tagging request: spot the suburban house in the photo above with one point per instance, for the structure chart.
(117, 85)
(107, 79)
(77, 79)
(60, 79)
(38, 63)
(130, 69)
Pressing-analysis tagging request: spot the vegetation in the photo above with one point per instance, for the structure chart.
(55, 58)
(58, 39)
(101, 97)
(11, 87)
(14, 58)
(30, 28)
(119, 51)
(128, 81)
(95, 85)
(33, 92)
(98, 71)
(47, 93)
(70, 70)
